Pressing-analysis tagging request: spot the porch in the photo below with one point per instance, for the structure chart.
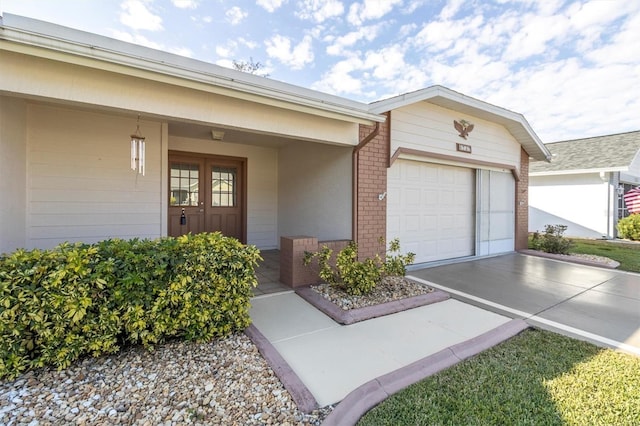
(268, 274)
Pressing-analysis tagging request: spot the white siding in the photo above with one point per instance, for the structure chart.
(262, 184)
(427, 127)
(13, 175)
(80, 185)
(315, 191)
(579, 201)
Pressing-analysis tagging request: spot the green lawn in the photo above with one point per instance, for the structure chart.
(628, 254)
(535, 378)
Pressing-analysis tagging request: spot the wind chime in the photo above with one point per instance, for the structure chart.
(137, 151)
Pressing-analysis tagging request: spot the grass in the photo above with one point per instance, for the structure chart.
(537, 377)
(628, 254)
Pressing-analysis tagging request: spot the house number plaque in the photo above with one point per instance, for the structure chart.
(463, 148)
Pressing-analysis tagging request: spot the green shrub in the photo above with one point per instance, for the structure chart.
(357, 277)
(396, 263)
(629, 227)
(552, 240)
(77, 299)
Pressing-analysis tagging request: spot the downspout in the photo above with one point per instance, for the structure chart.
(354, 168)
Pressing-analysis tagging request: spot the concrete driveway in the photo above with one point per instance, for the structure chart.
(596, 304)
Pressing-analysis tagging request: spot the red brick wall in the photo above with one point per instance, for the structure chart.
(522, 203)
(372, 181)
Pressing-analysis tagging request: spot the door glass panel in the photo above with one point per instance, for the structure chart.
(184, 184)
(223, 186)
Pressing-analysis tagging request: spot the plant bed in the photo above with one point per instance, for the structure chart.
(582, 259)
(393, 294)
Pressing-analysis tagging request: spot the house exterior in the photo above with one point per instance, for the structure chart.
(584, 184)
(273, 164)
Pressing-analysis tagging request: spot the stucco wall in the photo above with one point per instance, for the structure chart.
(579, 201)
(80, 184)
(13, 177)
(262, 184)
(314, 191)
(427, 127)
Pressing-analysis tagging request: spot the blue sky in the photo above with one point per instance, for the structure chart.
(571, 67)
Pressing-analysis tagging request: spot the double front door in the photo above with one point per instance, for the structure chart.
(207, 194)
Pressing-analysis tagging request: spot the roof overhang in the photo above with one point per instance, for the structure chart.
(514, 122)
(33, 37)
(579, 171)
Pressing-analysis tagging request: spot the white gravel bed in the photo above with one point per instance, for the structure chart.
(226, 382)
(592, 258)
(389, 289)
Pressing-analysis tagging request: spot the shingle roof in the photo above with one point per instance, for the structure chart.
(602, 152)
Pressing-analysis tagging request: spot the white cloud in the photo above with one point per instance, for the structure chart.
(319, 10)
(339, 79)
(450, 9)
(370, 9)
(235, 15)
(185, 4)
(341, 45)
(623, 47)
(270, 5)
(279, 47)
(535, 35)
(137, 15)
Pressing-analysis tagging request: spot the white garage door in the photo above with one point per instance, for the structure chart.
(431, 208)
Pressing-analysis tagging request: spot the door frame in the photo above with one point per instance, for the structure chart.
(212, 157)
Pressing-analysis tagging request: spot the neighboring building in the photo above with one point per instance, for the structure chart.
(252, 157)
(583, 185)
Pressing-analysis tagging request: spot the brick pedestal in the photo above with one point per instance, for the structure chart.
(292, 271)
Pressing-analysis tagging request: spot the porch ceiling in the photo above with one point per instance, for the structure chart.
(203, 132)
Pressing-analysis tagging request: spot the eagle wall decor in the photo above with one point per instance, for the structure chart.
(463, 127)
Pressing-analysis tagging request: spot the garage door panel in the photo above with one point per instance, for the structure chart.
(445, 205)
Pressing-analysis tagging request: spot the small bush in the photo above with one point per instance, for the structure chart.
(629, 227)
(552, 240)
(396, 263)
(358, 277)
(76, 299)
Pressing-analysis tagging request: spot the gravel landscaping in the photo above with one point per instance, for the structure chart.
(223, 382)
(390, 289)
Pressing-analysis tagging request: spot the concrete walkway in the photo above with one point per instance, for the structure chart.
(333, 360)
(596, 304)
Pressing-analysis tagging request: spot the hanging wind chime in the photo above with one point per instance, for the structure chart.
(137, 151)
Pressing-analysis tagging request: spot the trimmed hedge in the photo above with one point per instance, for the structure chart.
(76, 299)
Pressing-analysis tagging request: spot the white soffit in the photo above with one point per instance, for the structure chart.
(515, 123)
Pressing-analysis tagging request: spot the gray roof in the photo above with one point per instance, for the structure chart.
(602, 153)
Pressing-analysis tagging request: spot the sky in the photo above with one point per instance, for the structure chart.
(572, 68)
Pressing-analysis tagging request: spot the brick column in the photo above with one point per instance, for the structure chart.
(522, 203)
(373, 160)
(292, 270)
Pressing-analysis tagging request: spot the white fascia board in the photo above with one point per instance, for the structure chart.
(579, 171)
(23, 31)
(439, 95)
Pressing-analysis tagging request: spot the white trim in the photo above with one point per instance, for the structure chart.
(25, 32)
(579, 171)
(447, 98)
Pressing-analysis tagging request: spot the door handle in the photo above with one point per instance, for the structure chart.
(201, 210)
